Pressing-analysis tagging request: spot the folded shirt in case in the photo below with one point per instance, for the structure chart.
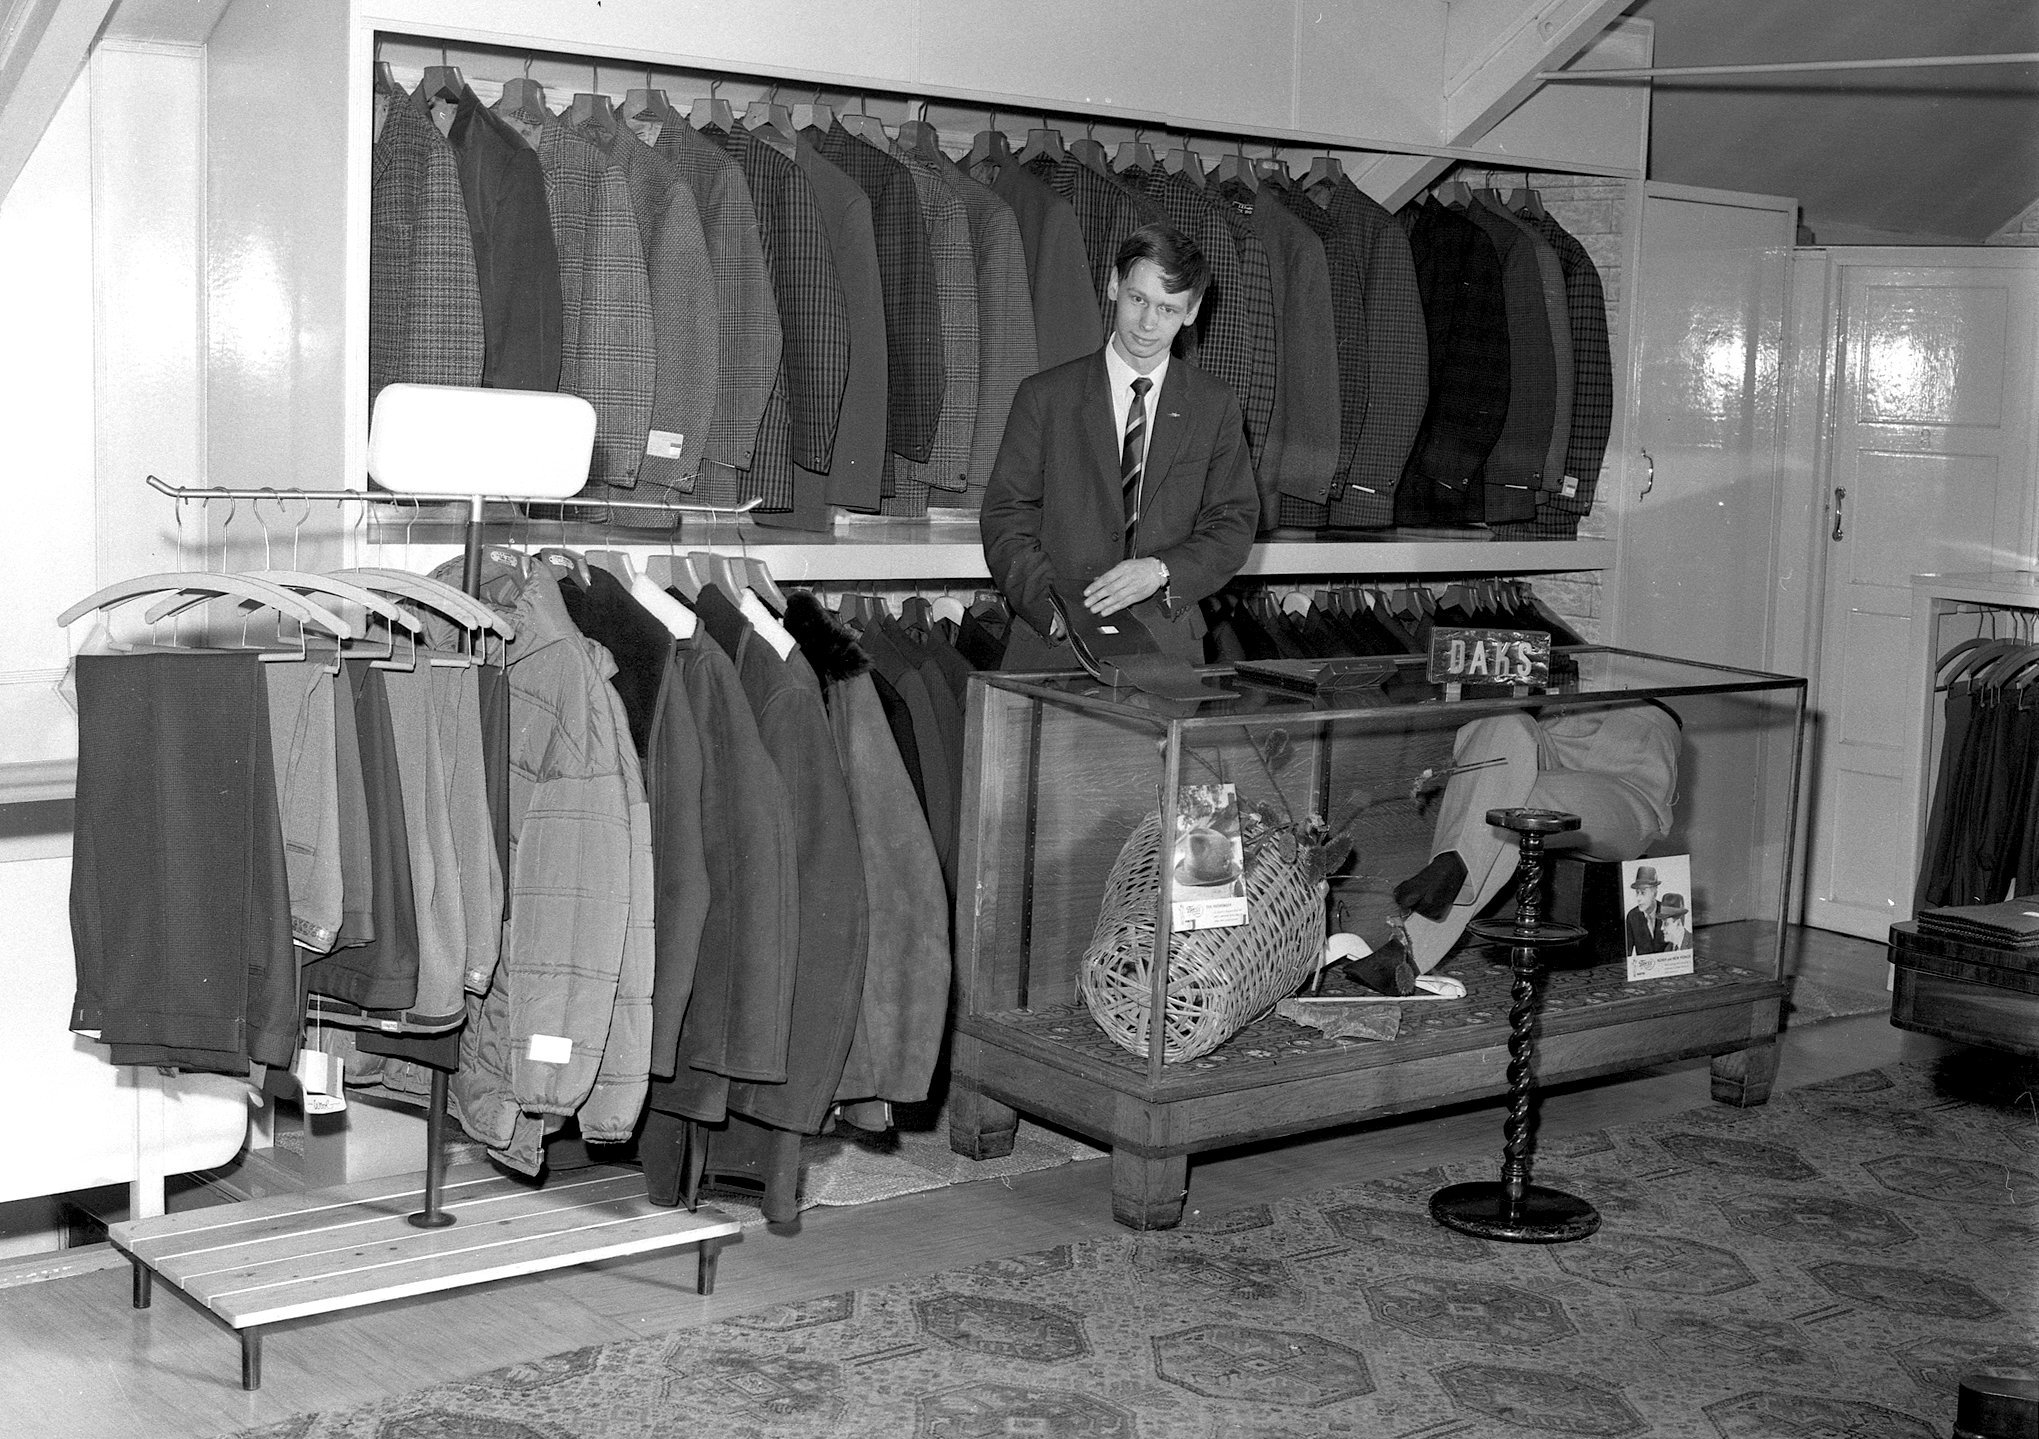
(2011, 922)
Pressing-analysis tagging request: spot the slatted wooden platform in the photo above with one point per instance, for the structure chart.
(258, 1263)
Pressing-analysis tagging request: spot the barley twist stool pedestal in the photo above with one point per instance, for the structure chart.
(1512, 1208)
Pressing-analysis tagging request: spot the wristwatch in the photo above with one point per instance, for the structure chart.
(1167, 603)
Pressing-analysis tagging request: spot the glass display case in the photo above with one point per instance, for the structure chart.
(1060, 772)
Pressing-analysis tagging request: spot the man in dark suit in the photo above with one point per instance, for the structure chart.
(1124, 476)
(1645, 930)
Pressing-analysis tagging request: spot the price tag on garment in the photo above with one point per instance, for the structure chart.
(549, 1049)
(321, 1077)
(665, 444)
(1490, 657)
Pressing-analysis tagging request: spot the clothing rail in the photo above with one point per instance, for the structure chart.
(471, 569)
(434, 1215)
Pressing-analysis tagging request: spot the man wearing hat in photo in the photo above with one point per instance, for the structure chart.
(1675, 922)
(1644, 923)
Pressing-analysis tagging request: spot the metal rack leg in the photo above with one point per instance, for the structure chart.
(143, 1280)
(251, 1358)
(432, 1216)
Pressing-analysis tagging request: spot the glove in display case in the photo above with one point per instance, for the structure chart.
(1065, 778)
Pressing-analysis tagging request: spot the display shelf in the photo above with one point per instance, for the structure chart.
(258, 1263)
(38, 781)
(1059, 771)
(881, 551)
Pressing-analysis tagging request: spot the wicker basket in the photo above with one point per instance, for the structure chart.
(1219, 980)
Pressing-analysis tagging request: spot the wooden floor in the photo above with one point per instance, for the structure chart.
(80, 1361)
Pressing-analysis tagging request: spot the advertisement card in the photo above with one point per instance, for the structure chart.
(1657, 926)
(1210, 863)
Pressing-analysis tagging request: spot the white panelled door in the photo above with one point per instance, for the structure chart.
(1699, 511)
(1931, 470)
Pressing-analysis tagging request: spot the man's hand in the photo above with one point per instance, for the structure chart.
(1125, 583)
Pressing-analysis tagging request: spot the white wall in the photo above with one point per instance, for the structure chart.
(99, 382)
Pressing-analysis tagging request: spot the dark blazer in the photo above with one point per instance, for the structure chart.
(913, 313)
(1514, 469)
(1557, 325)
(1054, 508)
(1347, 270)
(1645, 936)
(1398, 358)
(514, 259)
(1058, 274)
(1558, 512)
(1459, 276)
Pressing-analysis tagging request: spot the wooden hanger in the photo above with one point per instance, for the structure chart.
(866, 127)
(385, 79)
(773, 124)
(989, 146)
(1455, 193)
(1325, 170)
(302, 583)
(680, 622)
(1184, 161)
(456, 605)
(818, 115)
(646, 102)
(524, 99)
(591, 110)
(1273, 167)
(711, 111)
(1525, 201)
(1089, 151)
(442, 81)
(572, 561)
(917, 137)
(1235, 166)
(246, 587)
(1133, 154)
(1042, 142)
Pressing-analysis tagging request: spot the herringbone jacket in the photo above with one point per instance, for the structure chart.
(607, 353)
(856, 468)
(1006, 350)
(747, 317)
(424, 304)
(948, 236)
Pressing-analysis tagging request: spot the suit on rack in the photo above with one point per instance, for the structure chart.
(1058, 275)
(1054, 507)
(1458, 274)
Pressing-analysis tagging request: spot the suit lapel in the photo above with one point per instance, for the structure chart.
(1096, 410)
(1166, 432)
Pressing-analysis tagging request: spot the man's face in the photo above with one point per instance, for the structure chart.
(1148, 312)
(1646, 895)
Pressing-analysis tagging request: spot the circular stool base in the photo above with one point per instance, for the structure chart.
(1545, 1216)
(431, 1218)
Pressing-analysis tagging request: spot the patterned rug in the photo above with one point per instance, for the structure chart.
(1829, 1264)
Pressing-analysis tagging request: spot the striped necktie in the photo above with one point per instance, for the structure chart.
(1133, 458)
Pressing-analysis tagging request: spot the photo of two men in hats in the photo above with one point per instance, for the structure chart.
(1660, 921)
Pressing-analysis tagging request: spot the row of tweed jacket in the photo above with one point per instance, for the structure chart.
(1521, 378)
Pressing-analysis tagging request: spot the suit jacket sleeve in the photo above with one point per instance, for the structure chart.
(1221, 538)
(1010, 519)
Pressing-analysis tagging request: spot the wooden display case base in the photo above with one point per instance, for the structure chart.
(1276, 1078)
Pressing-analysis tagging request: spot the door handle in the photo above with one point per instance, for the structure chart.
(1840, 498)
(1650, 480)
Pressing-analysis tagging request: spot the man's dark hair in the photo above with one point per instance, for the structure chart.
(1181, 263)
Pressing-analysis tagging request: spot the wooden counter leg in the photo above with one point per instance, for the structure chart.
(143, 1280)
(1742, 1077)
(251, 1358)
(1149, 1193)
(711, 1251)
(979, 1126)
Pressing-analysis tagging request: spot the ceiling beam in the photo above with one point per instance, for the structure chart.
(1506, 43)
(43, 46)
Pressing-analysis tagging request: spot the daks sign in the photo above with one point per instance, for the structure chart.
(1490, 657)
